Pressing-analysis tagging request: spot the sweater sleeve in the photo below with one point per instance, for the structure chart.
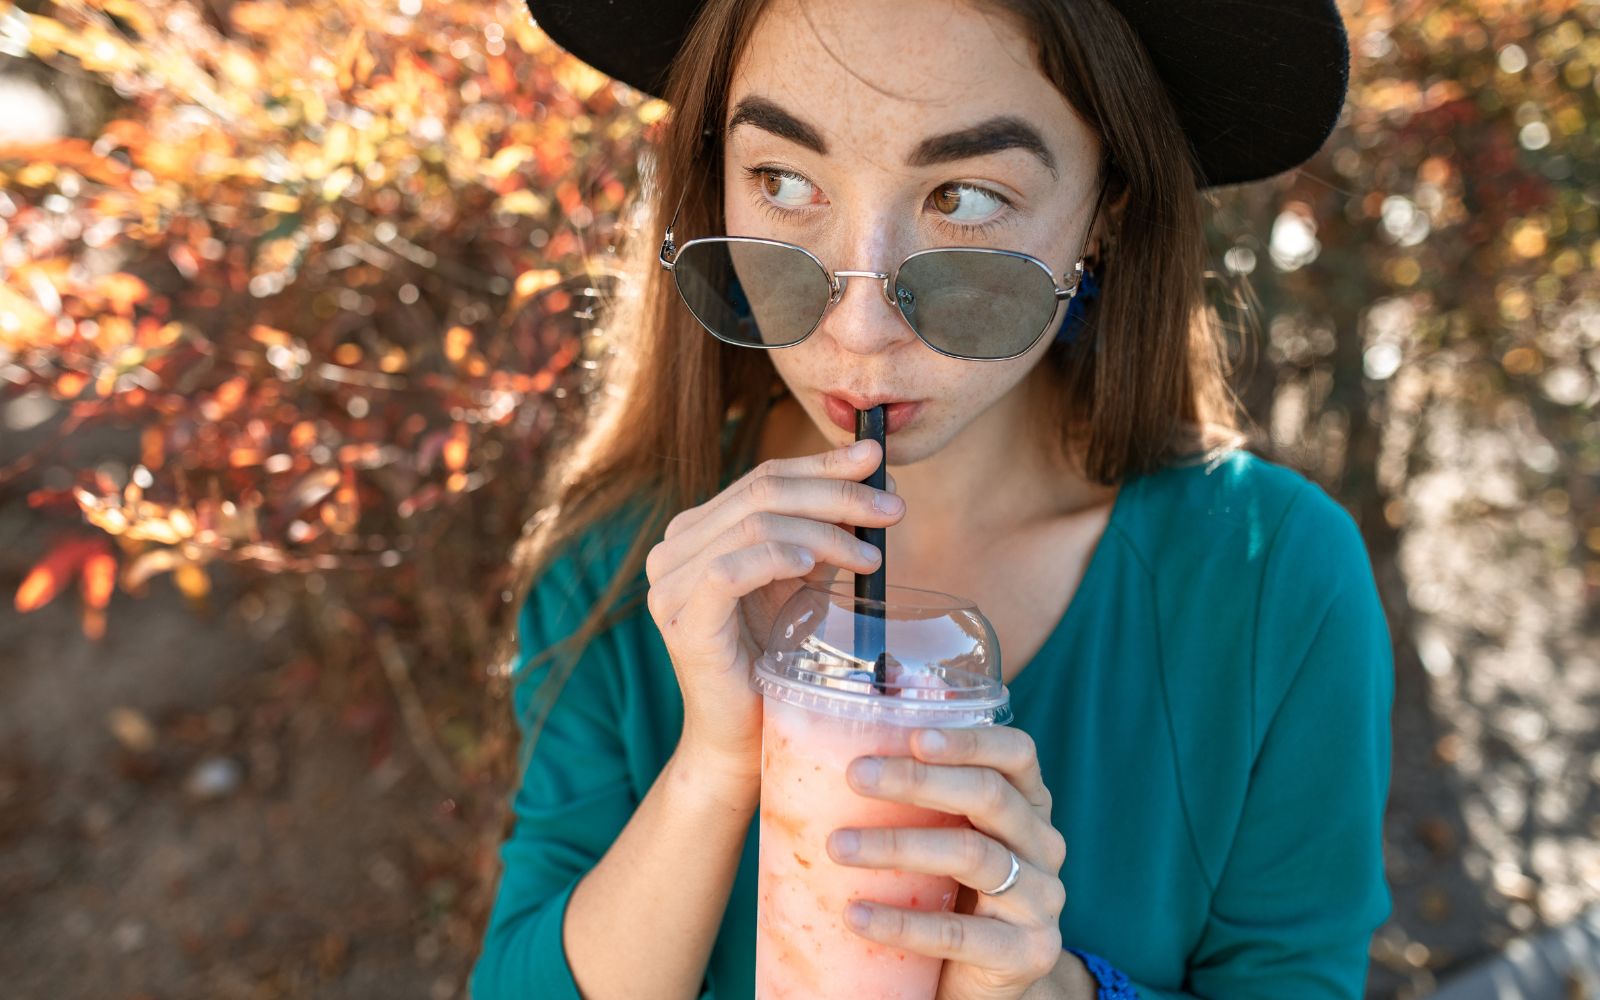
(1302, 889)
(574, 795)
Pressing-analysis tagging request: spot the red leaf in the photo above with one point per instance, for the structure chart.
(53, 573)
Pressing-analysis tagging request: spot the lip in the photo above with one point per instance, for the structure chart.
(842, 411)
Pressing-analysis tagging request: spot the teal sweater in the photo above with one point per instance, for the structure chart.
(1211, 715)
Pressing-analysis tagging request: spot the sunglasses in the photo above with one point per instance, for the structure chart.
(972, 303)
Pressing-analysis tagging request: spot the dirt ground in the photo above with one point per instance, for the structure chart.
(192, 810)
(253, 851)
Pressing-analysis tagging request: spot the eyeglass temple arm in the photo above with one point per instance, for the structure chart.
(1077, 267)
(669, 249)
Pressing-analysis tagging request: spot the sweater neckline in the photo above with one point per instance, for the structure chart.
(1089, 587)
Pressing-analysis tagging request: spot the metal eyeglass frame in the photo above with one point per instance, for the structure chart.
(836, 279)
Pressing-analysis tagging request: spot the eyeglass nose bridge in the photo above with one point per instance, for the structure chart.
(840, 277)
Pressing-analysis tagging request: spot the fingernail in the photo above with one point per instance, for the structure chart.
(887, 503)
(858, 915)
(867, 771)
(860, 449)
(933, 740)
(869, 551)
(846, 843)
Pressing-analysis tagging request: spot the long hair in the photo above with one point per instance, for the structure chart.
(1143, 386)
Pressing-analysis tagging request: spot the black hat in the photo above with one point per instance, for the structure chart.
(1257, 85)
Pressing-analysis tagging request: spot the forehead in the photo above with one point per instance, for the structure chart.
(874, 77)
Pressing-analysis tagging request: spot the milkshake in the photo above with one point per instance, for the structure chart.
(823, 710)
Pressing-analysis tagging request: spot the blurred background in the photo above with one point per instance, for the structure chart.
(294, 304)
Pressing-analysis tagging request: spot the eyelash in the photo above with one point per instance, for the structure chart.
(960, 230)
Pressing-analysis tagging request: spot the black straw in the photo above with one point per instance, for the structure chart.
(870, 639)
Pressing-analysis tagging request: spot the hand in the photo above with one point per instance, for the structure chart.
(991, 776)
(724, 568)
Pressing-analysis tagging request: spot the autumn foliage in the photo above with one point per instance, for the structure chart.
(326, 265)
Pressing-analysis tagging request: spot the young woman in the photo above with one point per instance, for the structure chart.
(1193, 787)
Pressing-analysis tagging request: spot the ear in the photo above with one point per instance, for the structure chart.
(1108, 218)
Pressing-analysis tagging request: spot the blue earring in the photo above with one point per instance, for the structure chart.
(1072, 325)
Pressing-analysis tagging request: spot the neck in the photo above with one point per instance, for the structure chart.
(1003, 471)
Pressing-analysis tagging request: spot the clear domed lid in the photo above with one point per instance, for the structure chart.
(940, 663)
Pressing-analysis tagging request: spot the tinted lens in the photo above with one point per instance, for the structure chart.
(752, 293)
(975, 303)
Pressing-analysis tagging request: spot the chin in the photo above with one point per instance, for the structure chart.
(913, 446)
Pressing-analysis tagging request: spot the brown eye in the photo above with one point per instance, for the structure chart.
(978, 203)
(947, 199)
(773, 184)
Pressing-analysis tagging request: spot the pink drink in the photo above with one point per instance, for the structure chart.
(823, 708)
(804, 949)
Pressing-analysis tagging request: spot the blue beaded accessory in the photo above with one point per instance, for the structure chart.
(1072, 325)
(1113, 984)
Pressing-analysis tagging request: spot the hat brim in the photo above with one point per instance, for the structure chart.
(1257, 87)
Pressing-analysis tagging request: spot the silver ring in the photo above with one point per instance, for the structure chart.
(1011, 880)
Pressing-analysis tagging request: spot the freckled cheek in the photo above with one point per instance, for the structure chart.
(965, 396)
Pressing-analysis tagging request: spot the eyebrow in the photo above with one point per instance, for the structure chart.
(770, 117)
(991, 136)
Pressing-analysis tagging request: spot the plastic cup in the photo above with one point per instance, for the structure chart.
(822, 710)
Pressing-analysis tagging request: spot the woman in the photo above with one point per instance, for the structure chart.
(1198, 663)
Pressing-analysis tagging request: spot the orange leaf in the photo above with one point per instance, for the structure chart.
(51, 574)
(23, 315)
(122, 292)
(99, 579)
(355, 61)
(231, 393)
(106, 384)
(457, 341)
(455, 449)
(531, 283)
(270, 336)
(303, 436)
(125, 131)
(153, 335)
(39, 588)
(69, 384)
(192, 580)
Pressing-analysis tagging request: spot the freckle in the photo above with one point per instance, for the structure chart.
(803, 862)
(913, 901)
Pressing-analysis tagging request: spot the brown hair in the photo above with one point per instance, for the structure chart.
(1144, 386)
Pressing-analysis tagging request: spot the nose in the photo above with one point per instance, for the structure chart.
(865, 319)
